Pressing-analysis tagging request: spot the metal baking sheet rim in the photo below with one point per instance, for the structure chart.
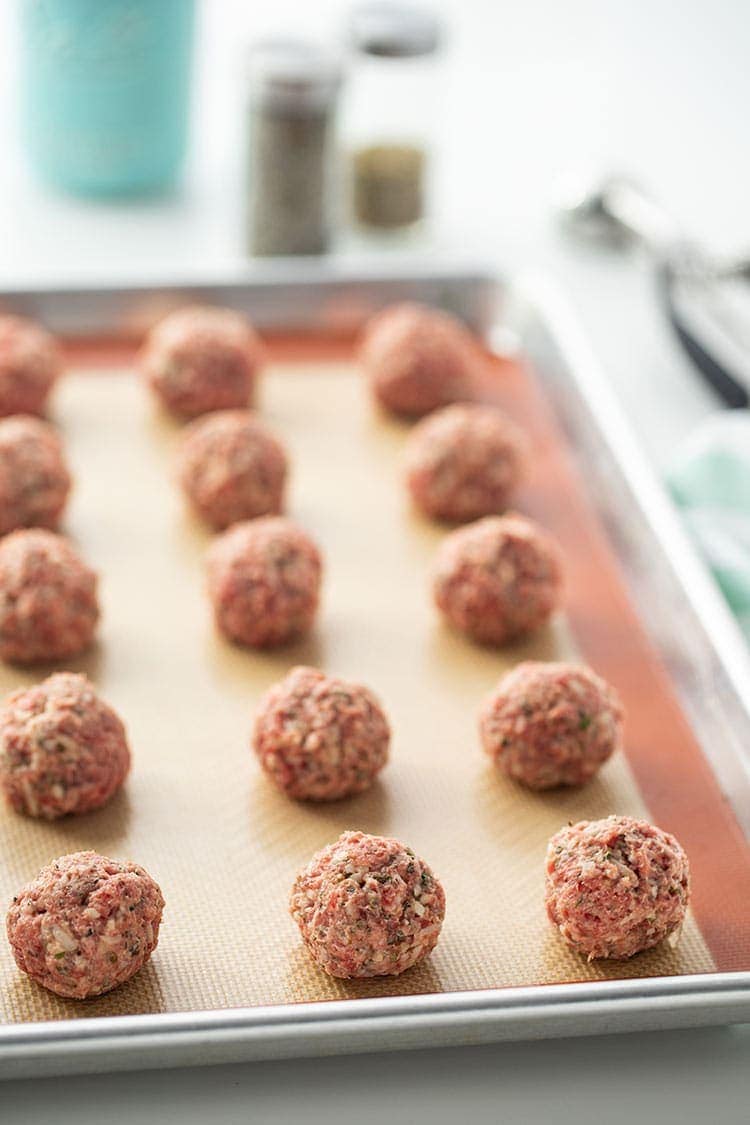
(537, 304)
(354, 1026)
(351, 1026)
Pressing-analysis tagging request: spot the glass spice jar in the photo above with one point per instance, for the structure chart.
(294, 88)
(392, 98)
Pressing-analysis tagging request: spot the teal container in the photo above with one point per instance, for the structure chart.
(105, 92)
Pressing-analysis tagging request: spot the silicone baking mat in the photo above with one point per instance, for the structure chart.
(221, 841)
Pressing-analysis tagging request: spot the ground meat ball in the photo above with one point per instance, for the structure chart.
(232, 468)
(551, 724)
(264, 581)
(34, 478)
(48, 603)
(85, 924)
(201, 359)
(498, 578)
(616, 886)
(320, 738)
(418, 359)
(62, 749)
(367, 906)
(464, 462)
(29, 365)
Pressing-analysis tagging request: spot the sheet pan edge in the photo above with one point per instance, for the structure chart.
(120, 1043)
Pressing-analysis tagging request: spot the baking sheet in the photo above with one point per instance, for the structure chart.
(196, 811)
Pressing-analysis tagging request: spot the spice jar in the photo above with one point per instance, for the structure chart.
(392, 103)
(294, 87)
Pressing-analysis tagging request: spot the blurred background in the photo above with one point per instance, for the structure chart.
(157, 140)
(527, 92)
(522, 97)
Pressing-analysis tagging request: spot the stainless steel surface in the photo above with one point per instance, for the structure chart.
(617, 209)
(393, 29)
(352, 1026)
(680, 604)
(706, 300)
(679, 601)
(281, 294)
(293, 73)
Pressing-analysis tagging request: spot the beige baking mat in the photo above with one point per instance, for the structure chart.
(223, 844)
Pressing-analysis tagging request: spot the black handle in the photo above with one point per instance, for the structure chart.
(730, 389)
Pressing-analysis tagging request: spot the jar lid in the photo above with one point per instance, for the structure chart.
(294, 72)
(393, 30)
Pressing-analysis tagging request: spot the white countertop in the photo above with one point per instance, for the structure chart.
(660, 89)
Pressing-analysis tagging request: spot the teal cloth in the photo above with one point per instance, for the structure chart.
(710, 481)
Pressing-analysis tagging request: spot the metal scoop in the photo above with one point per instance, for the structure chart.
(706, 300)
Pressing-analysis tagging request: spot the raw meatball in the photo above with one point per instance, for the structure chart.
(616, 886)
(320, 738)
(367, 906)
(29, 365)
(551, 724)
(418, 359)
(498, 578)
(85, 924)
(264, 581)
(464, 462)
(34, 478)
(62, 749)
(232, 468)
(48, 603)
(200, 359)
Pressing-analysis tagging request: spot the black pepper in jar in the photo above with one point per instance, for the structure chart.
(294, 91)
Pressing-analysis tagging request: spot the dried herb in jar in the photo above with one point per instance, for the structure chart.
(389, 185)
